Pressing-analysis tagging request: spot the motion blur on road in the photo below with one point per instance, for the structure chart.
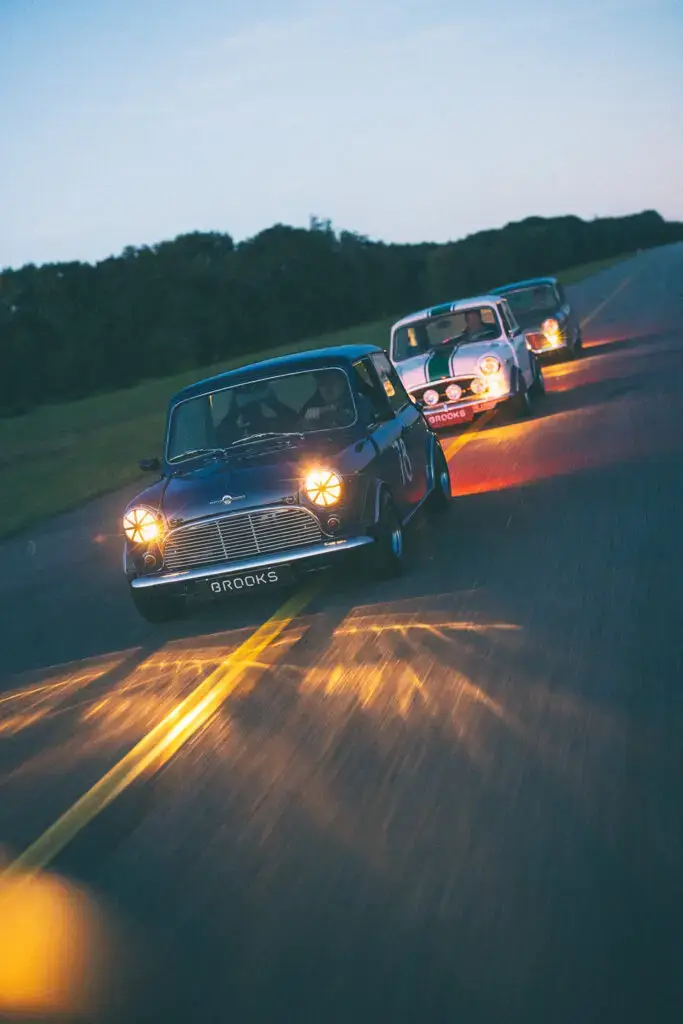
(456, 797)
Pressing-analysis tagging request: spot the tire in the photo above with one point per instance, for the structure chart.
(439, 500)
(155, 607)
(521, 406)
(537, 389)
(389, 549)
(578, 344)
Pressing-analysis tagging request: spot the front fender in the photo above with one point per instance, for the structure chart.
(128, 566)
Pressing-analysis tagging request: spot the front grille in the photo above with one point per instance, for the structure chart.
(240, 535)
(440, 387)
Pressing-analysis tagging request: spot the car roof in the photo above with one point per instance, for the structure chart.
(314, 359)
(529, 283)
(447, 307)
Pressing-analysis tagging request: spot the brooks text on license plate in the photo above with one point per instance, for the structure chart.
(255, 579)
(444, 419)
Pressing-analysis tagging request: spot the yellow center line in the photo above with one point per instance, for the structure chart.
(161, 742)
(468, 435)
(601, 305)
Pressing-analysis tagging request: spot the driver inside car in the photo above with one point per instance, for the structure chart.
(475, 328)
(332, 404)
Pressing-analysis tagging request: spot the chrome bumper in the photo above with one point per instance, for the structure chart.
(203, 572)
(480, 404)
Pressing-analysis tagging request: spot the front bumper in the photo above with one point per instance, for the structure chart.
(447, 413)
(316, 554)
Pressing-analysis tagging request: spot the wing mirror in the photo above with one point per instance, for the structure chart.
(150, 465)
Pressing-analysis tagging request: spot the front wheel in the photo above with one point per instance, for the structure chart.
(156, 607)
(439, 500)
(389, 549)
(521, 405)
(537, 389)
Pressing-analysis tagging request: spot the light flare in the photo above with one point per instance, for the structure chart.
(323, 487)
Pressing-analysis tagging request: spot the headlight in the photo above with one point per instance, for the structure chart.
(489, 364)
(454, 392)
(478, 386)
(430, 397)
(141, 526)
(323, 487)
(550, 326)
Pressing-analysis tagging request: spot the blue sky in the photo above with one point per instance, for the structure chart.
(131, 121)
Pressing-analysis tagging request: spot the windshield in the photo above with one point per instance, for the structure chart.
(539, 298)
(295, 403)
(466, 326)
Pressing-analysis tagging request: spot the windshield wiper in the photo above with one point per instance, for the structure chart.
(198, 451)
(266, 434)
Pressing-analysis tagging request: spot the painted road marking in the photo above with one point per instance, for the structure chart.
(468, 435)
(601, 305)
(161, 742)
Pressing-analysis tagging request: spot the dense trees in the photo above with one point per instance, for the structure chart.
(71, 329)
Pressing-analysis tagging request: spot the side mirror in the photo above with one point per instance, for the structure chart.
(150, 465)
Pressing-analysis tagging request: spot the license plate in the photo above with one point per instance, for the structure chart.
(255, 579)
(445, 419)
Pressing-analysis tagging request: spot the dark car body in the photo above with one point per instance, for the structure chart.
(551, 307)
(240, 518)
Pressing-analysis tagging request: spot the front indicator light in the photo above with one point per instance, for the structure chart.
(478, 386)
(323, 487)
(141, 526)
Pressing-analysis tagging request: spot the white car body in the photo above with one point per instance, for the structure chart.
(459, 363)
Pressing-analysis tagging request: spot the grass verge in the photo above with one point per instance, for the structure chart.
(58, 457)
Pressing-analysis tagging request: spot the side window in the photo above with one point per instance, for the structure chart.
(561, 294)
(506, 316)
(376, 403)
(391, 382)
(511, 317)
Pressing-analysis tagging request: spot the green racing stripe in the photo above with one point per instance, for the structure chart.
(439, 363)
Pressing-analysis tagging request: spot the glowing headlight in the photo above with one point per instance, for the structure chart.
(550, 326)
(454, 392)
(430, 397)
(141, 526)
(489, 364)
(478, 386)
(323, 487)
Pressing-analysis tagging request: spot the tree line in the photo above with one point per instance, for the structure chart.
(68, 330)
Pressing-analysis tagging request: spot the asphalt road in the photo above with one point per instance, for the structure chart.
(458, 797)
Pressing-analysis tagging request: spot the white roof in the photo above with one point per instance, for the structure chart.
(442, 308)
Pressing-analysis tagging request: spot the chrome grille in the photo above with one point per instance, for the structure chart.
(241, 535)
